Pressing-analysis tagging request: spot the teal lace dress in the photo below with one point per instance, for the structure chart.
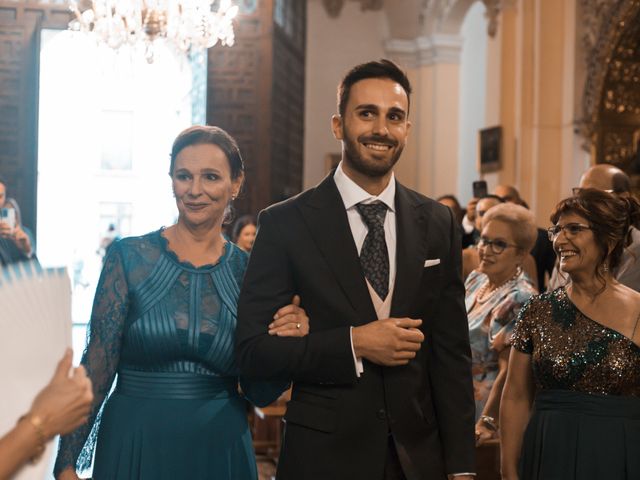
(166, 330)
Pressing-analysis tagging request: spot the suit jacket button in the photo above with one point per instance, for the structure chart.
(381, 414)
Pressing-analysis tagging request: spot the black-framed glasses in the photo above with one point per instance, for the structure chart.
(570, 230)
(496, 246)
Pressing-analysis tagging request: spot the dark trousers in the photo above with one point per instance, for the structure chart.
(392, 467)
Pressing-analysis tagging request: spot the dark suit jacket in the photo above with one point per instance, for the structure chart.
(337, 425)
(544, 256)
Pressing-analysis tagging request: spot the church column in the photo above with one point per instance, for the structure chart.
(430, 163)
(546, 110)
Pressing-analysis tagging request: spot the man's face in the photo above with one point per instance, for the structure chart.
(374, 127)
(3, 194)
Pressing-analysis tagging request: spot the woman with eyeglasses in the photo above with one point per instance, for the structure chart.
(571, 404)
(495, 292)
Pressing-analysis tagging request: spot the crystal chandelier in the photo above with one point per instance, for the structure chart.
(187, 24)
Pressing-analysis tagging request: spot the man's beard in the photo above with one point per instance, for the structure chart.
(370, 168)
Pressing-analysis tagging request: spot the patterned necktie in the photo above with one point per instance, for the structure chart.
(374, 256)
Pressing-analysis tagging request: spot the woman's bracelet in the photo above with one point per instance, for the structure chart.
(36, 422)
(489, 422)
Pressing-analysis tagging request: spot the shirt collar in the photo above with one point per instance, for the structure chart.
(352, 193)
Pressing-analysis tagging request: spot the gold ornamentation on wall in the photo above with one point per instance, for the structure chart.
(611, 99)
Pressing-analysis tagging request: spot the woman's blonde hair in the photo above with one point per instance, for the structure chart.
(520, 221)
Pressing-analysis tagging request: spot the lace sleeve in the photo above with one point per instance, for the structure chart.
(100, 358)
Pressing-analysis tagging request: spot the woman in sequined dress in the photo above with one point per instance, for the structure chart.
(164, 320)
(571, 403)
(495, 292)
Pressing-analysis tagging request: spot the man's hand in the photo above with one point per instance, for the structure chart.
(390, 342)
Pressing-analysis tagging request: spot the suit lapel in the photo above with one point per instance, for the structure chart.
(326, 218)
(411, 233)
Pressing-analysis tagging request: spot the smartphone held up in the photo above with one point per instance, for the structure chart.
(480, 189)
(8, 216)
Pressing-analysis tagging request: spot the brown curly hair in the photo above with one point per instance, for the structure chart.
(610, 217)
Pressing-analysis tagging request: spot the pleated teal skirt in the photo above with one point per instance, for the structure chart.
(579, 436)
(173, 426)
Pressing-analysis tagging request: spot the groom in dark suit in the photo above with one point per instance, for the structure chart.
(382, 383)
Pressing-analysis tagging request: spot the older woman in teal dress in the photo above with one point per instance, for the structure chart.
(164, 321)
(495, 292)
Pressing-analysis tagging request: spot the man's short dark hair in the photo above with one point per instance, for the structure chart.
(377, 69)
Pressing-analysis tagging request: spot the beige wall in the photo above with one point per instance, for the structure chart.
(333, 46)
(538, 105)
(530, 91)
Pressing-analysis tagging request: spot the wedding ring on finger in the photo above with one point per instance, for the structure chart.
(298, 325)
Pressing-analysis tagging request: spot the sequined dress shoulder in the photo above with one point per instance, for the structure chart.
(570, 351)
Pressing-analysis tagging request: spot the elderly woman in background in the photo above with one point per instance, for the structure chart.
(244, 232)
(164, 320)
(574, 371)
(470, 256)
(495, 292)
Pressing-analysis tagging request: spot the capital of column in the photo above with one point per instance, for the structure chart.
(426, 50)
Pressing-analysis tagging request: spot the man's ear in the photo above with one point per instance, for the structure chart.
(336, 127)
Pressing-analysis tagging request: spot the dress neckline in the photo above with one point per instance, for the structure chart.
(582, 314)
(226, 252)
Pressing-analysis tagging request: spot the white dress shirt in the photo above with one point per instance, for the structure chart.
(352, 194)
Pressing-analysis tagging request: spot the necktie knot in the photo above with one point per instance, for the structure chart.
(373, 214)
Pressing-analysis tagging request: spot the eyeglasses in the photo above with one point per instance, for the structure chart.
(496, 246)
(576, 190)
(570, 230)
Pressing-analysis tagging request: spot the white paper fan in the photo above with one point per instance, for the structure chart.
(35, 321)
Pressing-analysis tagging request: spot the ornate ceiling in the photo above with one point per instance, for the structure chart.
(423, 17)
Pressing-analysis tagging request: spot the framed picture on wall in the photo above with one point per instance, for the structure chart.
(490, 149)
